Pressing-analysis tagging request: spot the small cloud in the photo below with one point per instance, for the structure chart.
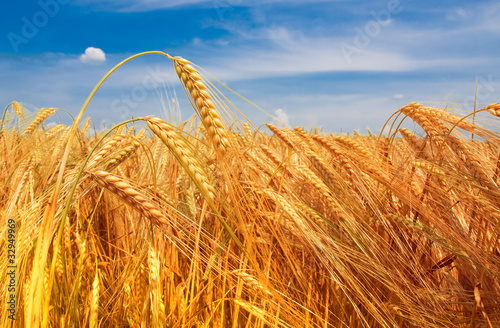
(93, 56)
(457, 14)
(197, 41)
(279, 35)
(221, 42)
(281, 118)
(398, 96)
(461, 12)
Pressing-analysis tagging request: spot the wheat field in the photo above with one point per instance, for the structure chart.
(214, 222)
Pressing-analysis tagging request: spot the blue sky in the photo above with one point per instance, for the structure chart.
(336, 65)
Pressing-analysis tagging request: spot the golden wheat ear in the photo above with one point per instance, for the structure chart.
(43, 114)
(130, 195)
(18, 108)
(211, 120)
(184, 155)
(493, 109)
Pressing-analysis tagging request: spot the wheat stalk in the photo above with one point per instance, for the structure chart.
(61, 142)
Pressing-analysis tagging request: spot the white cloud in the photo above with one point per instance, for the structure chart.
(93, 56)
(398, 96)
(282, 118)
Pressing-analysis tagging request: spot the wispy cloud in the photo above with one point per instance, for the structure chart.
(150, 5)
(284, 52)
(271, 49)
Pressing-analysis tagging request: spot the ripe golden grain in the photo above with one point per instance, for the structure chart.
(352, 144)
(427, 167)
(211, 120)
(252, 282)
(416, 144)
(344, 231)
(471, 162)
(85, 127)
(122, 155)
(94, 302)
(447, 117)
(430, 124)
(18, 108)
(42, 115)
(184, 155)
(55, 130)
(129, 195)
(158, 308)
(107, 148)
(493, 109)
(340, 154)
(283, 135)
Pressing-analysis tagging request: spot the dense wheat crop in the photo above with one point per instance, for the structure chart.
(215, 223)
